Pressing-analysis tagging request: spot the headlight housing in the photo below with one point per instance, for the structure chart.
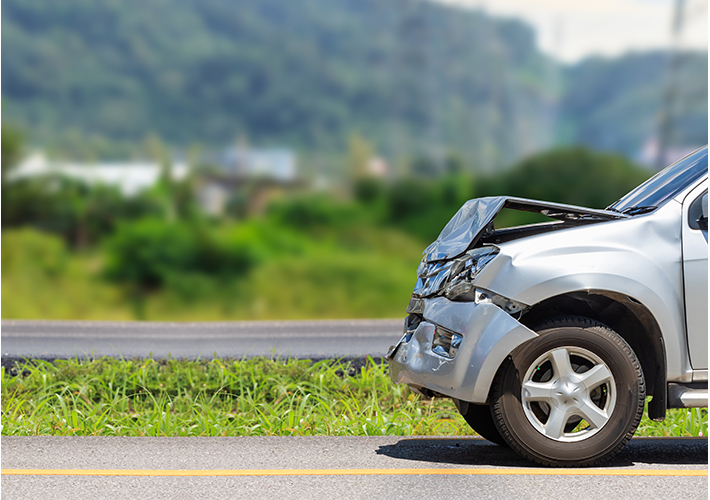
(464, 270)
(435, 277)
(459, 287)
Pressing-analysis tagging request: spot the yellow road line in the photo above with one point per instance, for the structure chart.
(357, 472)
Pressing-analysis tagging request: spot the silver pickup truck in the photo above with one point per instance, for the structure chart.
(549, 337)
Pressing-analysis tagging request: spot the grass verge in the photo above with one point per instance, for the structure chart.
(253, 397)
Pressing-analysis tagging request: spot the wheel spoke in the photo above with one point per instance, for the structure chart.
(560, 363)
(596, 376)
(555, 425)
(536, 391)
(592, 414)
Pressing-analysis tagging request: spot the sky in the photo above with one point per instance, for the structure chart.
(571, 30)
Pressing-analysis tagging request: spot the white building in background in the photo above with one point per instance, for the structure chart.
(129, 177)
(276, 164)
(276, 167)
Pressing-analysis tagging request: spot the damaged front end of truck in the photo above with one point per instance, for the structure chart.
(549, 337)
(457, 334)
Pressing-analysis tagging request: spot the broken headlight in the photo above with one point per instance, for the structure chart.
(464, 270)
(433, 278)
(460, 286)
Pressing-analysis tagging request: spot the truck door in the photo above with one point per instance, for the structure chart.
(695, 275)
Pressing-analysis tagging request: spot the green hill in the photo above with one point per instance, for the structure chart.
(615, 104)
(409, 76)
(415, 78)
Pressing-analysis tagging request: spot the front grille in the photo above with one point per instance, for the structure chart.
(411, 323)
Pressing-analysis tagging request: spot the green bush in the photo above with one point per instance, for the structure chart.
(576, 176)
(147, 252)
(31, 251)
(81, 214)
(410, 197)
(422, 208)
(368, 190)
(313, 211)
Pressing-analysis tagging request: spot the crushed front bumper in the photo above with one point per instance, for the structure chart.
(489, 335)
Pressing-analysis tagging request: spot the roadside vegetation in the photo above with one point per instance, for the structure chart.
(251, 397)
(71, 251)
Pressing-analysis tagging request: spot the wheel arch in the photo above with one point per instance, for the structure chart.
(630, 319)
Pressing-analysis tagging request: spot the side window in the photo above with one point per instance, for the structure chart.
(695, 212)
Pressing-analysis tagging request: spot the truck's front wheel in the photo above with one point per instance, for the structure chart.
(573, 396)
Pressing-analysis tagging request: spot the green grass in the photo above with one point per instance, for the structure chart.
(254, 397)
(361, 273)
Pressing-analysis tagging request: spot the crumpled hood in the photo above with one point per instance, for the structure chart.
(468, 224)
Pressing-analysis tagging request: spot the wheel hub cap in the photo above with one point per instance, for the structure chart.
(568, 394)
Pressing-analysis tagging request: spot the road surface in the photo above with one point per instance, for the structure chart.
(336, 467)
(300, 339)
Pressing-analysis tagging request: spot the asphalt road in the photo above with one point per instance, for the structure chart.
(301, 339)
(336, 467)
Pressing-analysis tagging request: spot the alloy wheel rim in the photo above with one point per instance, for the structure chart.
(568, 394)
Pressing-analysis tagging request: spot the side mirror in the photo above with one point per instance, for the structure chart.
(703, 219)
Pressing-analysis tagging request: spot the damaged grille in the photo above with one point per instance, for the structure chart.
(411, 323)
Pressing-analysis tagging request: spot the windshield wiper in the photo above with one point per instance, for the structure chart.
(638, 210)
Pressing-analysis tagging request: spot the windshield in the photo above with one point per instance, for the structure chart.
(667, 183)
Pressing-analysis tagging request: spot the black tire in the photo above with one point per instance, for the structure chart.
(554, 431)
(480, 419)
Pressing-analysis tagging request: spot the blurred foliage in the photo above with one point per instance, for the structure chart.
(147, 251)
(43, 279)
(82, 214)
(312, 254)
(614, 104)
(577, 176)
(360, 153)
(25, 248)
(12, 147)
(298, 74)
(314, 211)
(90, 77)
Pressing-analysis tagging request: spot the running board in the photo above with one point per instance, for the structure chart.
(687, 395)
